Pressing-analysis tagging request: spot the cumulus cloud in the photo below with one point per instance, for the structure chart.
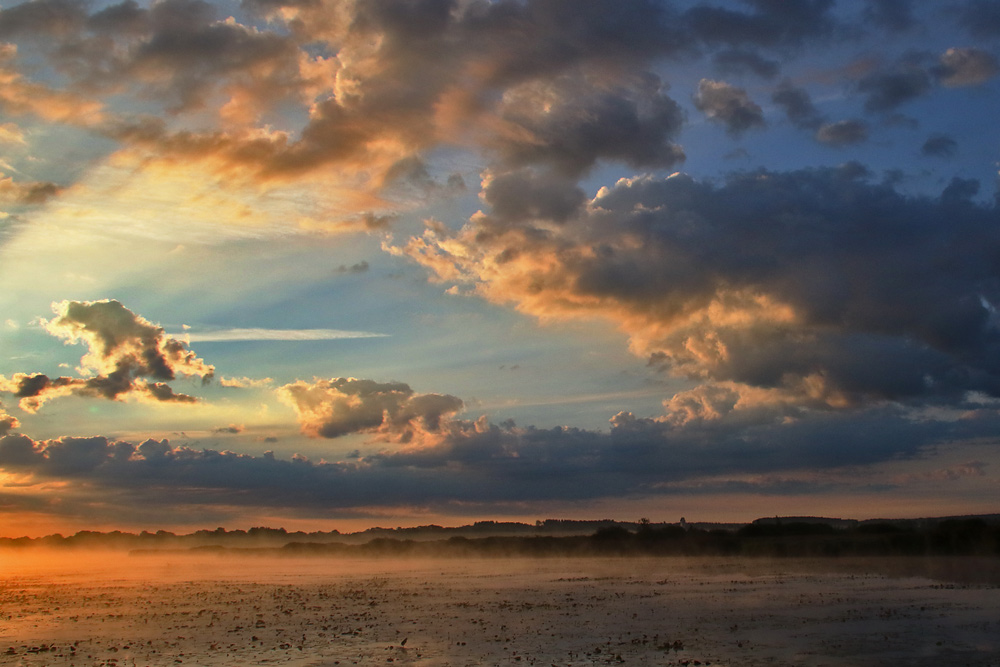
(843, 133)
(729, 105)
(377, 83)
(574, 121)
(128, 356)
(825, 288)
(364, 91)
(966, 67)
(336, 407)
(526, 194)
(7, 423)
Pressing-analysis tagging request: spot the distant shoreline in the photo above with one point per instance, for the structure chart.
(771, 537)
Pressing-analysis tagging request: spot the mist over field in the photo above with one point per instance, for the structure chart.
(109, 608)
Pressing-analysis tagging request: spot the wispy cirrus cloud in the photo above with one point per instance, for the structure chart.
(256, 334)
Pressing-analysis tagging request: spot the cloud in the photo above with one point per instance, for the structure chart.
(939, 146)
(11, 134)
(885, 91)
(487, 464)
(26, 193)
(360, 267)
(127, 356)
(22, 97)
(895, 15)
(951, 474)
(336, 407)
(980, 17)
(842, 133)
(393, 80)
(728, 105)
(572, 122)
(363, 92)
(508, 77)
(245, 382)
(51, 18)
(7, 423)
(235, 335)
(526, 194)
(797, 106)
(771, 24)
(816, 285)
(966, 67)
(740, 61)
(960, 190)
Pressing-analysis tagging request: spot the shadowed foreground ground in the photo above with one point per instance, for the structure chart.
(182, 609)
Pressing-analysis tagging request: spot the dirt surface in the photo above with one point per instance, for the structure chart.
(111, 609)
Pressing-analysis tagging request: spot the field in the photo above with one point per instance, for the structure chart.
(114, 609)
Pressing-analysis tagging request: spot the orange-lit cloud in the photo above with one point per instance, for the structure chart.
(331, 408)
(15, 192)
(128, 356)
(752, 282)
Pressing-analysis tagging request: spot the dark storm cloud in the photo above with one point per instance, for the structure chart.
(127, 356)
(728, 105)
(573, 122)
(815, 287)
(188, 53)
(525, 194)
(843, 133)
(797, 106)
(939, 146)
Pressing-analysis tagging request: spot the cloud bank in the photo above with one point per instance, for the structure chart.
(818, 286)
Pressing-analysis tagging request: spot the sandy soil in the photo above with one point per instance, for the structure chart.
(116, 610)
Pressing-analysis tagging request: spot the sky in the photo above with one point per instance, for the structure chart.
(332, 264)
